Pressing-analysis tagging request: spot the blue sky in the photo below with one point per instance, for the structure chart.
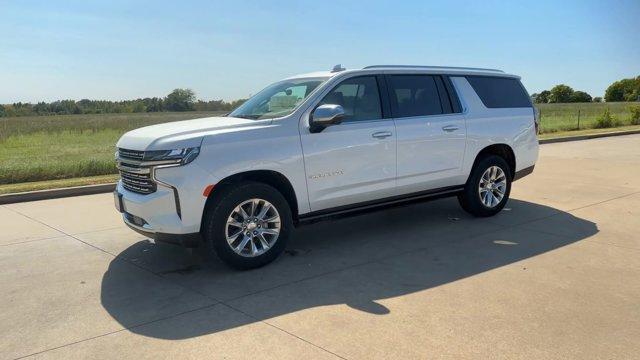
(128, 49)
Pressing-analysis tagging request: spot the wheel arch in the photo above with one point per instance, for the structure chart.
(504, 151)
(270, 177)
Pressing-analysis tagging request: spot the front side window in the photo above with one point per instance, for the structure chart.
(414, 95)
(359, 97)
(277, 100)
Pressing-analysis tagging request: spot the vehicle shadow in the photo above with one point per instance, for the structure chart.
(354, 261)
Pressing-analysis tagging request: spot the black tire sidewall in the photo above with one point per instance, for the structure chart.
(229, 198)
(470, 199)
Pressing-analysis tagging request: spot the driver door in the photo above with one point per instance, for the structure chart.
(354, 161)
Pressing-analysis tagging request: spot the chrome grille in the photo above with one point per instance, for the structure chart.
(130, 154)
(139, 183)
(135, 177)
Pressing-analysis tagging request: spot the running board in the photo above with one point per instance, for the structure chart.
(374, 205)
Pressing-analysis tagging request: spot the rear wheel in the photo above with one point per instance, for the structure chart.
(248, 225)
(487, 190)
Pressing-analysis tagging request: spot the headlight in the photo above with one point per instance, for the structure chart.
(185, 155)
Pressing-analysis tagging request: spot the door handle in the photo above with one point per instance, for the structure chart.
(450, 128)
(381, 134)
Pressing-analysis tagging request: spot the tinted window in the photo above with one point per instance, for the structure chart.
(279, 99)
(500, 92)
(414, 95)
(453, 96)
(358, 96)
(444, 98)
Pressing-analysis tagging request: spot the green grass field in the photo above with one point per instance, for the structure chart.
(44, 148)
(60, 147)
(564, 117)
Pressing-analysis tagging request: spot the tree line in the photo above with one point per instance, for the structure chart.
(621, 90)
(177, 100)
(185, 100)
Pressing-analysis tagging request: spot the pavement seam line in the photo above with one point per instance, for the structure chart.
(63, 232)
(606, 243)
(116, 257)
(377, 260)
(119, 330)
(282, 330)
(122, 259)
(368, 262)
(604, 201)
(34, 240)
(586, 240)
(560, 212)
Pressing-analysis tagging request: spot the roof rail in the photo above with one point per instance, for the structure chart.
(432, 67)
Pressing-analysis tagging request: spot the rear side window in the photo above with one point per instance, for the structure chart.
(414, 95)
(496, 92)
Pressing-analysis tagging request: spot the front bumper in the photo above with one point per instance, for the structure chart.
(190, 240)
(158, 216)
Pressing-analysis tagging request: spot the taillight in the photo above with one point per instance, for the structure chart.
(536, 119)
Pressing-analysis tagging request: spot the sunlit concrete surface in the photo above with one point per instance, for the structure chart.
(554, 276)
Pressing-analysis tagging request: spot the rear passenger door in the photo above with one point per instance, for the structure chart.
(431, 134)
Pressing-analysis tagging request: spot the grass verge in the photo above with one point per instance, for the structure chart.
(46, 152)
(42, 148)
(562, 134)
(57, 184)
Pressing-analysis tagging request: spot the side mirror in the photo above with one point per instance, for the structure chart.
(325, 115)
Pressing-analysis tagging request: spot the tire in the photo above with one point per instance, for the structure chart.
(223, 217)
(474, 200)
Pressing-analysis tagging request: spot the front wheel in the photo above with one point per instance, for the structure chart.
(248, 225)
(487, 190)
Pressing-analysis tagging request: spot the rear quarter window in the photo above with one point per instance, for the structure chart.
(498, 92)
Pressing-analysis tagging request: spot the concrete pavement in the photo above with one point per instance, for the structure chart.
(556, 275)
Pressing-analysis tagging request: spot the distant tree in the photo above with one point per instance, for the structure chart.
(615, 91)
(597, 99)
(180, 100)
(560, 94)
(236, 103)
(138, 107)
(580, 97)
(543, 97)
(623, 90)
(153, 104)
(41, 108)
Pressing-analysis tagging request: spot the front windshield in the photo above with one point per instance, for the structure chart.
(277, 100)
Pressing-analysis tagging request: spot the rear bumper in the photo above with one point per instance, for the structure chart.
(522, 173)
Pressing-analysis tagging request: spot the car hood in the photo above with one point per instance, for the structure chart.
(181, 134)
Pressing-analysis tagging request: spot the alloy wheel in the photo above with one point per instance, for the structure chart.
(492, 186)
(253, 227)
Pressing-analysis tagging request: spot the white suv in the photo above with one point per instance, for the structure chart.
(323, 144)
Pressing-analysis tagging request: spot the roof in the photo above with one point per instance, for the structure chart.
(443, 69)
(317, 74)
(453, 70)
